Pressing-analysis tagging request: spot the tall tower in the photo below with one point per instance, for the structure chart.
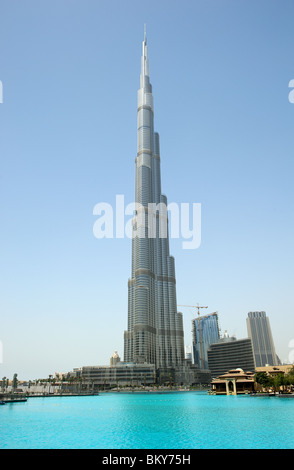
(259, 330)
(155, 328)
(205, 331)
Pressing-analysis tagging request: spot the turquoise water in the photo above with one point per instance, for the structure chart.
(184, 420)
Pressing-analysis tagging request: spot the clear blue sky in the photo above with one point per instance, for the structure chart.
(70, 73)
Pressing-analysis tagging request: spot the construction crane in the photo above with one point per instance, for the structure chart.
(192, 306)
(199, 325)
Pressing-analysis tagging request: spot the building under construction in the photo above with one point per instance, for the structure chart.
(205, 331)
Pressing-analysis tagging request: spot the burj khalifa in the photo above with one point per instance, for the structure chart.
(155, 329)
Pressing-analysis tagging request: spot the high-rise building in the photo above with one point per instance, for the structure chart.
(154, 340)
(259, 330)
(205, 331)
(115, 359)
(230, 353)
(188, 353)
(155, 328)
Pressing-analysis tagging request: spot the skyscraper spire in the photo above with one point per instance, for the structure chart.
(144, 62)
(155, 328)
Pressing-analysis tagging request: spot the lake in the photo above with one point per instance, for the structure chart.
(183, 420)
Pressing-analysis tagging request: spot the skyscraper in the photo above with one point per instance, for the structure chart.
(259, 330)
(155, 328)
(230, 353)
(205, 330)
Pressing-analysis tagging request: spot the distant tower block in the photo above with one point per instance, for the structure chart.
(114, 359)
(205, 330)
(259, 330)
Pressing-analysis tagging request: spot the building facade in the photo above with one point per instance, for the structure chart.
(120, 374)
(233, 382)
(205, 331)
(155, 329)
(115, 359)
(125, 374)
(154, 339)
(259, 330)
(230, 353)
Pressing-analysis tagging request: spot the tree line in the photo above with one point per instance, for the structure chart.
(275, 382)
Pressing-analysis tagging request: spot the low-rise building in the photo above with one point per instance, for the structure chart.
(128, 374)
(233, 382)
(119, 374)
(275, 370)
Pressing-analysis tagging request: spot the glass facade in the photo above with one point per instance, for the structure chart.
(119, 374)
(205, 332)
(155, 328)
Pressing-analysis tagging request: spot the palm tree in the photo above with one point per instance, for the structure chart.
(262, 379)
(14, 383)
(3, 384)
(276, 382)
(290, 376)
(62, 384)
(80, 384)
(284, 382)
(49, 381)
(71, 381)
(53, 383)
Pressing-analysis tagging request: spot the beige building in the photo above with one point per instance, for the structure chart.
(233, 382)
(275, 370)
(114, 359)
